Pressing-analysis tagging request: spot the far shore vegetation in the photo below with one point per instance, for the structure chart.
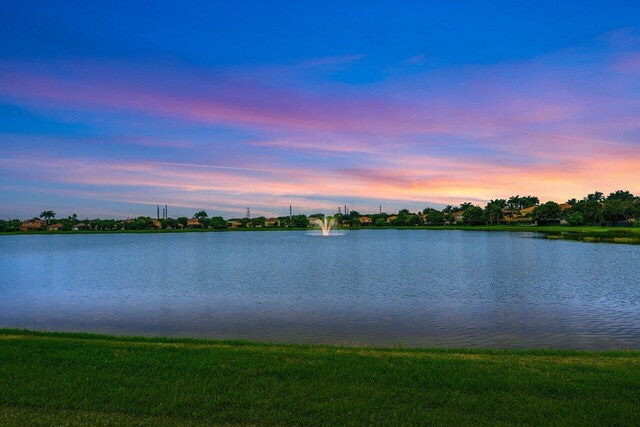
(87, 379)
(595, 216)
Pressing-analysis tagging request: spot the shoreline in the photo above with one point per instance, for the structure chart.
(8, 333)
(80, 378)
(592, 234)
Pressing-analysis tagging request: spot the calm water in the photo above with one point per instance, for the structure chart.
(378, 287)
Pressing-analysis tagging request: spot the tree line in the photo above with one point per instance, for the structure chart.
(620, 208)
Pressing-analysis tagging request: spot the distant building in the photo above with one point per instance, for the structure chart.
(234, 224)
(522, 215)
(391, 218)
(526, 214)
(32, 225)
(365, 220)
(81, 226)
(155, 223)
(272, 222)
(55, 227)
(458, 216)
(194, 223)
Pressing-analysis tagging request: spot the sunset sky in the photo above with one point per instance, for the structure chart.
(109, 108)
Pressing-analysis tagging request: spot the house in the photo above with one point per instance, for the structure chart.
(194, 223)
(458, 216)
(234, 224)
(365, 220)
(272, 222)
(391, 218)
(155, 223)
(527, 211)
(526, 214)
(522, 215)
(34, 224)
(55, 227)
(81, 226)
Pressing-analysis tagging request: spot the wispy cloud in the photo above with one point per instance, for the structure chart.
(558, 125)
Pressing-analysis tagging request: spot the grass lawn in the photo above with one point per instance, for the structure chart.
(80, 379)
(583, 233)
(539, 228)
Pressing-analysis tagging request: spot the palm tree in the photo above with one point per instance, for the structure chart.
(47, 215)
(201, 215)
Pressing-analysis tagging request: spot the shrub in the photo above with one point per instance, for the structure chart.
(575, 219)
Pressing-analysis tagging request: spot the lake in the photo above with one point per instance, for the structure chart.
(369, 287)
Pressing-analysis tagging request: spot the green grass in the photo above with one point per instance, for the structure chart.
(582, 233)
(81, 379)
(545, 228)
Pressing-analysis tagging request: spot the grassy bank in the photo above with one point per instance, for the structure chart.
(163, 231)
(584, 233)
(84, 379)
(543, 228)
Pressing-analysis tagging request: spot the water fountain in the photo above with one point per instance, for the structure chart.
(325, 224)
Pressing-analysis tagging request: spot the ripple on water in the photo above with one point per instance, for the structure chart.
(374, 287)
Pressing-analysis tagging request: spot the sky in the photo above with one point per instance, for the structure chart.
(109, 108)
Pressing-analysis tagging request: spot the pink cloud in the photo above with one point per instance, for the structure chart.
(223, 99)
(420, 180)
(475, 132)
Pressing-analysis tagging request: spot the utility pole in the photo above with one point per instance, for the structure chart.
(248, 213)
(166, 212)
(290, 212)
(339, 210)
(158, 212)
(380, 208)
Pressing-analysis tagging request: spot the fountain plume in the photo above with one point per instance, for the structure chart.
(325, 224)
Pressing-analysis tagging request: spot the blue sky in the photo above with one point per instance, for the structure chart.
(108, 108)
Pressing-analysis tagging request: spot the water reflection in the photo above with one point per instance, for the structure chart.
(375, 287)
